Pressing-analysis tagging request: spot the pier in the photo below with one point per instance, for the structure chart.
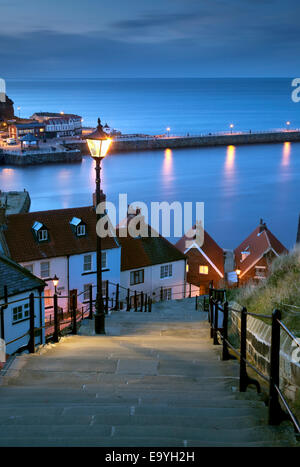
(132, 143)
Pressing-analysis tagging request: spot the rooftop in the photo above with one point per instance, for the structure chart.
(16, 278)
(62, 241)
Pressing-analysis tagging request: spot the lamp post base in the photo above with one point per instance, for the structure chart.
(99, 323)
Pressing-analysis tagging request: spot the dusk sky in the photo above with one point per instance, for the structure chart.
(139, 38)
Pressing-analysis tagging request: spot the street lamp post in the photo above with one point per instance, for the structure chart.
(288, 125)
(238, 272)
(55, 281)
(98, 143)
(231, 127)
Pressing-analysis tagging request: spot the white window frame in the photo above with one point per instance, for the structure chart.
(89, 262)
(42, 235)
(44, 276)
(80, 230)
(22, 312)
(104, 259)
(167, 294)
(133, 275)
(86, 292)
(166, 271)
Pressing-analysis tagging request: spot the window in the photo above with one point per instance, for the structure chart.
(260, 272)
(86, 292)
(42, 235)
(166, 271)
(167, 294)
(45, 269)
(203, 269)
(29, 267)
(87, 262)
(20, 312)
(81, 230)
(104, 259)
(137, 277)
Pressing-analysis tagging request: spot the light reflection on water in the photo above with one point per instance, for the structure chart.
(237, 184)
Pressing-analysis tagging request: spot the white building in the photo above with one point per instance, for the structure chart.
(152, 265)
(62, 243)
(14, 323)
(59, 124)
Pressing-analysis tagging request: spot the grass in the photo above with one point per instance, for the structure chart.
(281, 290)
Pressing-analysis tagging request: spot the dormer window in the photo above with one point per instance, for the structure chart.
(40, 231)
(78, 227)
(245, 254)
(81, 230)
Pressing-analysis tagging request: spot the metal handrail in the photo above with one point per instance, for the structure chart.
(276, 413)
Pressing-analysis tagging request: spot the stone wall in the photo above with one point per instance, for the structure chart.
(258, 351)
(44, 158)
(139, 144)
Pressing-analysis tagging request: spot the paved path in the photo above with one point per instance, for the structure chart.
(155, 380)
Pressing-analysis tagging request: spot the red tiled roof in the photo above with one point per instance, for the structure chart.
(23, 246)
(211, 249)
(259, 242)
(147, 251)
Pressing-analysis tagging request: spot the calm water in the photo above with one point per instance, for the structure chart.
(238, 185)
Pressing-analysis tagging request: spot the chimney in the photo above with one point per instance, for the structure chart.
(262, 226)
(298, 233)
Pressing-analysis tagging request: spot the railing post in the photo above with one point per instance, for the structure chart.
(128, 300)
(225, 353)
(150, 305)
(196, 303)
(142, 301)
(211, 315)
(31, 343)
(106, 296)
(56, 321)
(91, 302)
(161, 294)
(243, 352)
(216, 323)
(74, 327)
(145, 303)
(274, 405)
(135, 301)
(190, 291)
(117, 298)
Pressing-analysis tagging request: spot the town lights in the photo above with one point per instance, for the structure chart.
(99, 143)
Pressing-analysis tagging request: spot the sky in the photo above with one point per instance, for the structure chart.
(142, 38)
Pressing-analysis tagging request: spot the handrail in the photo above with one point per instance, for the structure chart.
(289, 333)
(276, 413)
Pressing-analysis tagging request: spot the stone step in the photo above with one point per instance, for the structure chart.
(82, 441)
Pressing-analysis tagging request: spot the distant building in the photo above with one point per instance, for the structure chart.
(6, 110)
(205, 264)
(59, 124)
(20, 128)
(151, 265)
(61, 242)
(15, 323)
(254, 254)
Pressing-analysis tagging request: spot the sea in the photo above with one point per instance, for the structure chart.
(238, 185)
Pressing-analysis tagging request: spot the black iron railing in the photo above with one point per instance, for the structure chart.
(218, 316)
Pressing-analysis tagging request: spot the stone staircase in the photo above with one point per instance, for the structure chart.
(154, 380)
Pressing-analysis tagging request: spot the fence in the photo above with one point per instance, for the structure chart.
(219, 318)
(115, 297)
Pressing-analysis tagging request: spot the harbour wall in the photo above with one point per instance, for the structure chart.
(152, 143)
(74, 155)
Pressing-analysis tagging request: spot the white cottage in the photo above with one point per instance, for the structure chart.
(16, 284)
(62, 243)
